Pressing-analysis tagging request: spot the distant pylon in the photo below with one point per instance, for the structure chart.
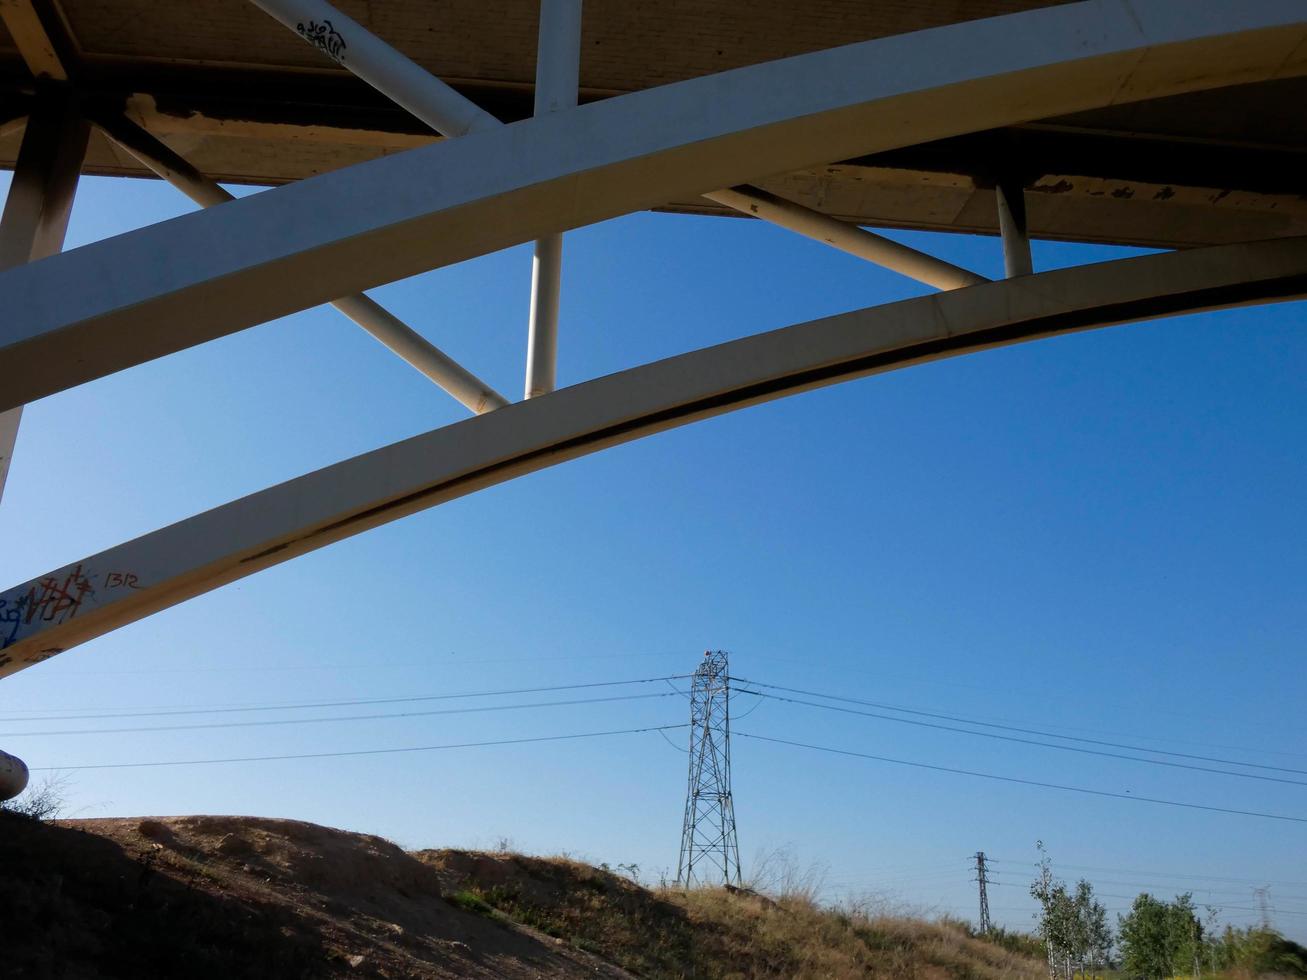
(710, 852)
(1263, 896)
(982, 876)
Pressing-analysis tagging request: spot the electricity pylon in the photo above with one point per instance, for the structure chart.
(710, 852)
(982, 877)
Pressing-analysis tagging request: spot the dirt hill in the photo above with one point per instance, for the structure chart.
(229, 897)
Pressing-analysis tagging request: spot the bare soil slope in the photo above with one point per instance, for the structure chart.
(229, 897)
(237, 897)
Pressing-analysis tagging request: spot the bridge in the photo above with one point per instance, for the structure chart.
(405, 137)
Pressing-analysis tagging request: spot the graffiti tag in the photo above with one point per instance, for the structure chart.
(325, 38)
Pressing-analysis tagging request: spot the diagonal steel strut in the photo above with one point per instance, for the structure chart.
(398, 336)
(846, 237)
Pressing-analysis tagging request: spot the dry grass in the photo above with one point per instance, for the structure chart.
(714, 934)
(798, 938)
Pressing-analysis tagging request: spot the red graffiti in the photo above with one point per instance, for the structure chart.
(53, 601)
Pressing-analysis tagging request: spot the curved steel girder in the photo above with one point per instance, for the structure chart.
(116, 303)
(78, 602)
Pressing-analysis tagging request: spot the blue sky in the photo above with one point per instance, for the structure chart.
(1100, 535)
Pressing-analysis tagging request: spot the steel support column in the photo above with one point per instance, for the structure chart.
(1011, 198)
(37, 208)
(383, 325)
(558, 66)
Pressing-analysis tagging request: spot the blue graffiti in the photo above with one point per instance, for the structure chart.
(11, 617)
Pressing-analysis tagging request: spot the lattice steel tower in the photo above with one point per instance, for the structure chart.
(982, 876)
(710, 852)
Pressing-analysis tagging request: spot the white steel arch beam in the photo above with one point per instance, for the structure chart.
(73, 604)
(202, 276)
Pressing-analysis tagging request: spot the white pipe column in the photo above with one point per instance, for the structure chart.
(1017, 260)
(393, 332)
(558, 73)
(846, 237)
(37, 209)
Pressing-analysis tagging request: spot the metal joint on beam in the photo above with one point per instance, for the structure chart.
(846, 237)
(398, 336)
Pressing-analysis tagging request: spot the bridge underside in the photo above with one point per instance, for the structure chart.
(246, 103)
(1128, 121)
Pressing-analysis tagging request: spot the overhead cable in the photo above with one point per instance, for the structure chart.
(1014, 728)
(1024, 741)
(336, 718)
(356, 752)
(1027, 782)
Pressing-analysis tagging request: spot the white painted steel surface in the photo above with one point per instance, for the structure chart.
(289, 248)
(73, 604)
(542, 325)
(847, 237)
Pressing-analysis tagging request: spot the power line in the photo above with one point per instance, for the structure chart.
(1151, 889)
(369, 665)
(1272, 910)
(1024, 731)
(353, 702)
(1028, 782)
(1159, 886)
(1166, 874)
(1025, 741)
(338, 755)
(673, 744)
(936, 681)
(336, 718)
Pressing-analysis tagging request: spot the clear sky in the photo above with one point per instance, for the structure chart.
(1100, 535)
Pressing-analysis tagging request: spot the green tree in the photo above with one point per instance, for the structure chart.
(1159, 939)
(1073, 925)
(1145, 939)
(1186, 940)
(1094, 935)
(1259, 952)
